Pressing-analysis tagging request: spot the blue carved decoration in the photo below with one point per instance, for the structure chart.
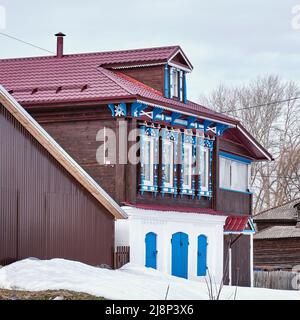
(220, 128)
(112, 109)
(169, 135)
(184, 88)
(136, 108)
(167, 82)
(154, 133)
(206, 124)
(187, 138)
(190, 121)
(118, 110)
(156, 112)
(174, 117)
(209, 144)
(142, 145)
(122, 109)
(181, 85)
(205, 143)
(194, 142)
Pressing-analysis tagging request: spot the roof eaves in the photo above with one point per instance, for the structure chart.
(188, 112)
(255, 142)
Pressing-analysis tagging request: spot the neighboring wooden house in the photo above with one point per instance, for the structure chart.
(277, 244)
(178, 212)
(49, 206)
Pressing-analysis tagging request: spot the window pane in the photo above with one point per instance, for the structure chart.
(233, 175)
(203, 167)
(187, 166)
(147, 160)
(168, 162)
(225, 173)
(175, 83)
(239, 176)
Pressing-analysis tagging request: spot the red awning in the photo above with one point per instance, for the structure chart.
(236, 223)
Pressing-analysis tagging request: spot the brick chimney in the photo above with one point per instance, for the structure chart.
(60, 44)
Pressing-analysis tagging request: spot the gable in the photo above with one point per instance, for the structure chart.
(181, 60)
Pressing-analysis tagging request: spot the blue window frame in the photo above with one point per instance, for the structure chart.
(234, 172)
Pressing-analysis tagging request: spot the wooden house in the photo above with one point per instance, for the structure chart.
(49, 206)
(184, 219)
(277, 244)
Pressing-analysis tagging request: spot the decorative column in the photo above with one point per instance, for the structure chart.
(142, 145)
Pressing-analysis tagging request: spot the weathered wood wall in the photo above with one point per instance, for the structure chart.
(282, 280)
(277, 253)
(240, 263)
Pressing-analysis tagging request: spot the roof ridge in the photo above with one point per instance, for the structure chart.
(278, 206)
(92, 53)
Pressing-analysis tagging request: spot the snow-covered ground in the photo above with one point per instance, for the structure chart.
(130, 282)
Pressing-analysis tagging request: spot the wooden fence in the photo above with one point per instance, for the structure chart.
(275, 279)
(121, 256)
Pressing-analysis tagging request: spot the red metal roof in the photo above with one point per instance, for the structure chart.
(80, 78)
(176, 209)
(236, 223)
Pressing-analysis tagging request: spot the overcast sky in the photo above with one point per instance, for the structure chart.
(230, 41)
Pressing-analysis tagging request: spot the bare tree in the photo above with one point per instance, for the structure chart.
(275, 125)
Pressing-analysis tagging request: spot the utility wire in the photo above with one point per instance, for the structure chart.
(25, 42)
(261, 105)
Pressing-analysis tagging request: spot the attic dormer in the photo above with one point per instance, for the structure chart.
(163, 69)
(175, 72)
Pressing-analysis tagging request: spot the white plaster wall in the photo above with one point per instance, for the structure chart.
(165, 224)
(122, 232)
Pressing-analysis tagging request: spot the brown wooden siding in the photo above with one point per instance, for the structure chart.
(240, 260)
(45, 212)
(264, 224)
(236, 203)
(233, 147)
(277, 253)
(78, 138)
(151, 76)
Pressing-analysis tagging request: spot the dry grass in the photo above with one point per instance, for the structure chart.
(45, 295)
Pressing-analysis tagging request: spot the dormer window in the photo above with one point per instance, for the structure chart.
(177, 86)
(174, 83)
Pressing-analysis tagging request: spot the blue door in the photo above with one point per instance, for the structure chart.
(202, 255)
(151, 251)
(180, 243)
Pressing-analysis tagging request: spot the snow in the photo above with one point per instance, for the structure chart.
(130, 282)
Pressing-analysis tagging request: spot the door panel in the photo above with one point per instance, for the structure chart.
(202, 255)
(180, 242)
(151, 251)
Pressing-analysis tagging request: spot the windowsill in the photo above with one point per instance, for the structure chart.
(238, 191)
